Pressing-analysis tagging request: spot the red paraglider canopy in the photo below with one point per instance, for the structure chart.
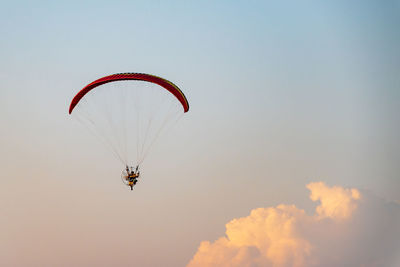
(172, 88)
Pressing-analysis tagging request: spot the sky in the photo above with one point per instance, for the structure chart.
(293, 121)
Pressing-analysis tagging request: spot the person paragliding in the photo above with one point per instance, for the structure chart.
(132, 176)
(128, 111)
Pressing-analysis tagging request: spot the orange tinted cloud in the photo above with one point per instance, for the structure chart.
(285, 235)
(336, 202)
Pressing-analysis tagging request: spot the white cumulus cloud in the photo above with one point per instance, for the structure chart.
(348, 228)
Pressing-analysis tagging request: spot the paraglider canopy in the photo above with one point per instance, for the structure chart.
(132, 76)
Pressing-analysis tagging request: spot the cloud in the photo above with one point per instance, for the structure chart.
(337, 202)
(349, 228)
